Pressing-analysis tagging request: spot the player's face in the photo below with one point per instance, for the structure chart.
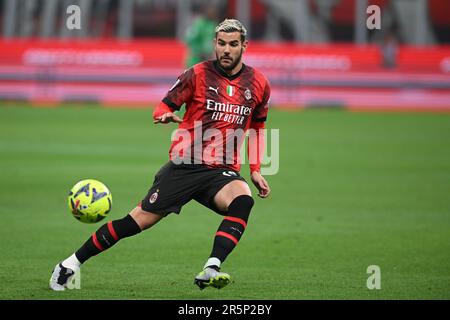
(229, 49)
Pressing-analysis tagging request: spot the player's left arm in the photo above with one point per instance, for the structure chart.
(255, 148)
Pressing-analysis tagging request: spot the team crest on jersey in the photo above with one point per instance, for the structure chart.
(153, 197)
(230, 90)
(248, 94)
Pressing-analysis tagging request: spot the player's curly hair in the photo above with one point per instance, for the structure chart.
(232, 25)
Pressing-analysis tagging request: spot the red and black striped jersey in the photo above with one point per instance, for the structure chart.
(219, 110)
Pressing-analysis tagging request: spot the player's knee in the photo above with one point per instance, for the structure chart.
(241, 207)
(144, 219)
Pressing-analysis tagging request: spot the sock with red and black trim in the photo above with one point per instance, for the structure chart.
(107, 236)
(230, 230)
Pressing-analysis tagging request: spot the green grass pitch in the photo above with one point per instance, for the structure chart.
(353, 190)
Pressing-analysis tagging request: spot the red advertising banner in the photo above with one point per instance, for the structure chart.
(140, 73)
(347, 57)
(91, 53)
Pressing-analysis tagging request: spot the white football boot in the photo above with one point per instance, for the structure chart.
(60, 277)
(211, 277)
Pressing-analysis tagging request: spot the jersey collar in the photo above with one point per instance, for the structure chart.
(224, 74)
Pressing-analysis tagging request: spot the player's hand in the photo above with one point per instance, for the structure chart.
(261, 184)
(168, 117)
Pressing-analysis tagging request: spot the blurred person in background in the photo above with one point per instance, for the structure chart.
(389, 50)
(199, 35)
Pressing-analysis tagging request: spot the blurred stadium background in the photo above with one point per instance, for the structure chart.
(315, 53)
(354, 188)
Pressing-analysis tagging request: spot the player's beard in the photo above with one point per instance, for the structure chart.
(231, 66)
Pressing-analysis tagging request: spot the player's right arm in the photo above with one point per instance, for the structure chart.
(181, 92)
(163, 114)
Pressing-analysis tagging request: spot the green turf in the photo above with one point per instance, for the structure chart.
(353, 190)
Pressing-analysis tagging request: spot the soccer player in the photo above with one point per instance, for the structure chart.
(224, 98)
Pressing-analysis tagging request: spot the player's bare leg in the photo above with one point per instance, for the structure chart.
(145, 219)
(104, 238)
(235, 199)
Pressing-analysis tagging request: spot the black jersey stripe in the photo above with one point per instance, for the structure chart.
(171, 105)
(260, 119)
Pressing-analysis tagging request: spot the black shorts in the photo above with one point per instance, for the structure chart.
(175, 185)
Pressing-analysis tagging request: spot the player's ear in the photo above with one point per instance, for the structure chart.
(244, 45)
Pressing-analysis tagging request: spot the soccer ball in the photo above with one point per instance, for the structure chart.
(90, 201)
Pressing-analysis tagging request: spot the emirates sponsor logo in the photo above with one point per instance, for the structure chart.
(228, 107)
(228, 112)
